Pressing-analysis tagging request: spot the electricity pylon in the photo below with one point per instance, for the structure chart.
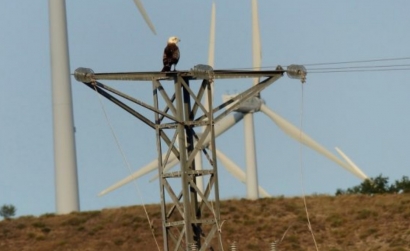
(187, 222)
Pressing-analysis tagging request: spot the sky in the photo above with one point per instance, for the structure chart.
(363, 113)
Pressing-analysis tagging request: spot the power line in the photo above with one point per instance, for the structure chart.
(359, 70)
(360, 61)
(380, 68)
(359, 67)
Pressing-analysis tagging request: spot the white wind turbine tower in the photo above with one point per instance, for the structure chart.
(211, 62)
(65, 163)
(250, 150)
(256, 104)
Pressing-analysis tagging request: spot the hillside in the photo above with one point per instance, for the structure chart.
(349, 222)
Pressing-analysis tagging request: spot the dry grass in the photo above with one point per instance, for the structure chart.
(350, 222)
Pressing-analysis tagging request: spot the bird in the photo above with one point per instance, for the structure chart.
(171, 54)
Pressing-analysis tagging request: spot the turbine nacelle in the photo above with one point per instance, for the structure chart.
(250, 105)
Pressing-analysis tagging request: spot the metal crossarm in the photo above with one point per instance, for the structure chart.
(87, 75)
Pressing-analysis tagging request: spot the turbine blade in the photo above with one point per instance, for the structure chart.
(153, 165)
(220, 128)
(145, 15)
(256, 39)
(171, 163)
(224, 124)
(350, 162)
(148, 168)
(237, 171)
(298, 135)
(211, 53)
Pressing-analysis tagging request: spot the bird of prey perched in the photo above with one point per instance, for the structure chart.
(171, 54)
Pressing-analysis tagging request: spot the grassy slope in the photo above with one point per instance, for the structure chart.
(362, 223)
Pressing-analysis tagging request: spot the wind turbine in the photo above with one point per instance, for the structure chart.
(65, 160)
(288, 128)
(256, 104)
(221, 127)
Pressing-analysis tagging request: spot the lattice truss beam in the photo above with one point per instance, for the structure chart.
(184, 126)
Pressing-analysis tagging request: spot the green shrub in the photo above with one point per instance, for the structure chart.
(378, 185)
(7, 211)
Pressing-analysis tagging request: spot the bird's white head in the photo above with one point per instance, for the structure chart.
(173, 40)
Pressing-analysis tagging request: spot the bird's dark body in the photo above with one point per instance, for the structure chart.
(171, 57)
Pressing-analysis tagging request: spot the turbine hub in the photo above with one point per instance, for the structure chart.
(252, 104)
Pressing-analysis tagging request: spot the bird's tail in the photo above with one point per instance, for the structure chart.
(166, 68)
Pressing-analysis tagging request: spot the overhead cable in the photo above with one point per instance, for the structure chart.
(350, 66)
(360, 61)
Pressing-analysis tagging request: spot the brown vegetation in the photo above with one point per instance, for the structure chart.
(349, 222)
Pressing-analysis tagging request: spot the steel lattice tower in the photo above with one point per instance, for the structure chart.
(187, 222)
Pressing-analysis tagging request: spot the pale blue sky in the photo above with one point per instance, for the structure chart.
(365, 114)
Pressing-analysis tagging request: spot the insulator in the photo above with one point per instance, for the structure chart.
(297, 72)
(193, 247)
(203, 71)
(84, 75)
(233, 246)
(273, 246)
(202, 68)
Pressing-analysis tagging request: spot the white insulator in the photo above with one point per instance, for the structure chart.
(203, 71)
(297, 72)
(202, 68)
(273, 246)
(193, 247)
(84, 75)
(233, 246)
